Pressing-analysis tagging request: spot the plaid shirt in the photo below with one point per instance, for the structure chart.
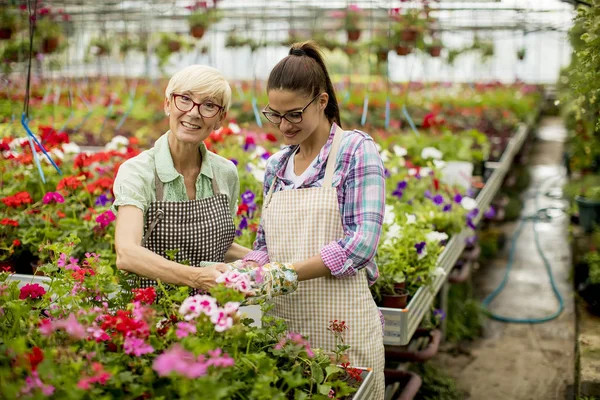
(360, 182)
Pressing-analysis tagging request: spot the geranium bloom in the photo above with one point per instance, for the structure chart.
(32, 291)
(105, 218)
(222, 320)
(175, 359)
(100, 376)
(34, 382)
(35, 357)
(71, 326)
(137, 347)
(184, 329)
(194, 306)
(145, 296)
(17, 200)
(9, 222)
(53, 197)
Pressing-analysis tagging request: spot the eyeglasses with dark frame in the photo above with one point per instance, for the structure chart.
(293, 117)
(207, 108)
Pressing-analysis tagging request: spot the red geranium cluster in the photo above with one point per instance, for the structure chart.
(17, 200)
(31, 291)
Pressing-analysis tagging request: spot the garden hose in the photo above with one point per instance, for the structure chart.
(541, 215)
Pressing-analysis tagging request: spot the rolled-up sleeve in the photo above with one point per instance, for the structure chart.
(362, 214)
(130, 188)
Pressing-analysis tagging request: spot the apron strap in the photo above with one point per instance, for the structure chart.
(160, 189)
(331, 160)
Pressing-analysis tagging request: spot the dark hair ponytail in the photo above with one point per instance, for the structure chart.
(304, 70)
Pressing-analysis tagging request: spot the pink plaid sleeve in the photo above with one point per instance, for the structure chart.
(259, 256)
(334, 257)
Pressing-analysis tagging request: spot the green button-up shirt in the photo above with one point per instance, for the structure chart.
(134, 184)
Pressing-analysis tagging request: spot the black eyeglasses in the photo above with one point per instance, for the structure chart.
(207, 109)
(293, 117)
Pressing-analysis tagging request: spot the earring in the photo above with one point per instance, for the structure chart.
(168, 114)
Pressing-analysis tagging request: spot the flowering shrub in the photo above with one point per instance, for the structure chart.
(88, 335)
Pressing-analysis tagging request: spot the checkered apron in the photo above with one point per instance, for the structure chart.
(297, 224)
(202, 230)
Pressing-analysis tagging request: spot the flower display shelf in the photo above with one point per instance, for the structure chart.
(25, 279)
(401, 324)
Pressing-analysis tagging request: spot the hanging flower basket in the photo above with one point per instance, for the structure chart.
(353, 35)
(50, 44)
(409, 35)
(198, 31)
(435, 51)
(403, 50)
(174, 45)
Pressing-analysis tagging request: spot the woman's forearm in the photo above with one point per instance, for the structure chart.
(236, 252)
(311, 268)
(143, 262)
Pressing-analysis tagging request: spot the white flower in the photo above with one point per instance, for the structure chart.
(58, 153)
(231, 308)
(385, 156)
(468, 203)
(439, 271)
(393, 231)
(431, 152)
(410, 219)
(258, 173)
(221, 320)
(395, 170)
(412, 171)
(389, 216)
(436, 237)
(423, 254)
(194, 306)
(439, 163)
(425, 171)
(71, 148)
(235, 128)
(399, 151)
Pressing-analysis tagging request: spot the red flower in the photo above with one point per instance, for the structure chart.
(32, 291)
(35, 357)
(145, 296)
(70, 182)
(82, 273)
(10, 222)
(60, 214)
(436, 184)
(16, 243)
(242, 208)
(271, 138)
(17, 200)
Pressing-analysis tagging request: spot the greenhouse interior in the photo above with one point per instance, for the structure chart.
(161, 162)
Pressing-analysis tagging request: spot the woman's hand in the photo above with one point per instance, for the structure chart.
(205, 278)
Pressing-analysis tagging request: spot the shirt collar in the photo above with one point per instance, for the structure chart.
(163, 161)
(321, 158)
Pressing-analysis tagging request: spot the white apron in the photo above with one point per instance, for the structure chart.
(297, 224)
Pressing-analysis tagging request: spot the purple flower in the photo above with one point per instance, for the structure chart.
(439, 313)
(457, 198)
(427, 194)
(470, 193)
(238, 232)
(438, 199)
(470, 241)
(243, 224)
(470, 224)
(265, 155)
(401, 185)
(102, 200)
(473, 213)
(234, 161)
(398, 193)
(490, 213)
(248, 197)
(387, 173)
(420, 246)
(447, 207)
(418, 176)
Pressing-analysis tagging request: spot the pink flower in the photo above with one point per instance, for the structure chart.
(62, 260)
(31, 291)
(218, 360)
(175, 359)
(184, 329)
(194, 306)
(137, 347)
(53, 197)
(231, 308)
(71, 326)
(100, 376)
(73, 264)
(34, 382)
(45, 327)
(98, 333)
(221, 320)
(195, 370)
(105, 218)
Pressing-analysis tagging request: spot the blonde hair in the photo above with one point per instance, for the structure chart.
(203, 81)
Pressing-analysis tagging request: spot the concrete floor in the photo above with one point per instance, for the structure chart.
(526, 361)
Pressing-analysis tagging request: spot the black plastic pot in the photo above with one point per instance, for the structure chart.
(589, 213)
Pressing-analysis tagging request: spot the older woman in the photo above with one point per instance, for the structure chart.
(178, 195)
